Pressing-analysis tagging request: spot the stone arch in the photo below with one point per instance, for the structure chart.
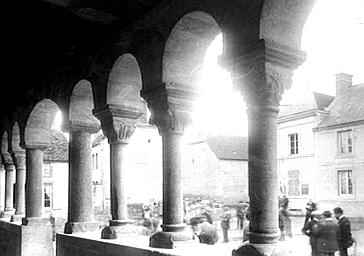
(186, 47)
(4, 142)
(39, 123)
(125, 83)
(15, 138)
(80, 107)
(283, 21)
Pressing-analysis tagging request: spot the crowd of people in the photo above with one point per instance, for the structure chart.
(203, 217)
(326, 235)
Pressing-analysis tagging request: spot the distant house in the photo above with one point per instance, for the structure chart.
(339, 143)
(215, 168)
(321, 149)
(55, 175)
(296, 150)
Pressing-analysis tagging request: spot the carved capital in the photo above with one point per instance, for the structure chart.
(120, 131)
(265, 85)
(19, 159)
(171, 106)
(7, 160)
(262, 72)
(118, 122)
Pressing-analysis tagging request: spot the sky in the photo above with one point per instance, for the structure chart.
(333, 38)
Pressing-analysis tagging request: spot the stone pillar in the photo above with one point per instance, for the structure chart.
(80, 209)
(170, 110)
(118, 124)
(33, 185)
(262, 72)
(9, 184)
(19, 160)
(2, 187)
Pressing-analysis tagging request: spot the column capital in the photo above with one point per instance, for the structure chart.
(171, 106)
(72, 126)
(7, 160)
(35, 145)
(118, 122)
(19, 158)
(262, 71)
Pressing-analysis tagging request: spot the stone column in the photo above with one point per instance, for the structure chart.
(118, 124)
(33, 185)
(9, 185)
(170, 110)
(262, 72)
(19, 160)
(80, 209)
(2, 187)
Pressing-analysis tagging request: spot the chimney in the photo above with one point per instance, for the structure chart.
(343, 81)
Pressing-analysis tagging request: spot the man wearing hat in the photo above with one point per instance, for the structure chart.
(327, 236)
(344, 238)
(311, 229)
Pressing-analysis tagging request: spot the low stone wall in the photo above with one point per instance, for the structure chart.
(92, 245)
(31, 240)
(10, 239)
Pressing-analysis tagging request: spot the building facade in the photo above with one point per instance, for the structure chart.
(321, 149)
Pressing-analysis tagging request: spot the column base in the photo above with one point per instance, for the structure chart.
(35, 221)
(250, 249)
(271, 237)
(117, 228)
(6, 214)
(17, 217)
(80, 227)
(172, 236)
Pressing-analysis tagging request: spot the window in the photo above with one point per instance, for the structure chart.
(345, 142)
(304, 189)
(97, 161)
(293, 143)
(293, 183)
(48, 195)
(345, 182)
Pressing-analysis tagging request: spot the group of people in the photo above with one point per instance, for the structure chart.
(327, 235)
(202, 224)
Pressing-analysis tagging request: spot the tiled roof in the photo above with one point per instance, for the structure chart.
(229, 147)
(58, 149)
(309, 101)
(347, 107)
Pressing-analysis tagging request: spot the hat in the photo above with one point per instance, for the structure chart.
(338, 210)
(327, 214)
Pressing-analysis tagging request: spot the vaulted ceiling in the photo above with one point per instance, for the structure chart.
(39, 35)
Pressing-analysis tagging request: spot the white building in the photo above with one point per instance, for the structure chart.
(321, 149)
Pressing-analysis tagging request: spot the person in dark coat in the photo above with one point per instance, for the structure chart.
(344, 237)
(310, 207)
(327, 236)
(225, 223)
(311, 230)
